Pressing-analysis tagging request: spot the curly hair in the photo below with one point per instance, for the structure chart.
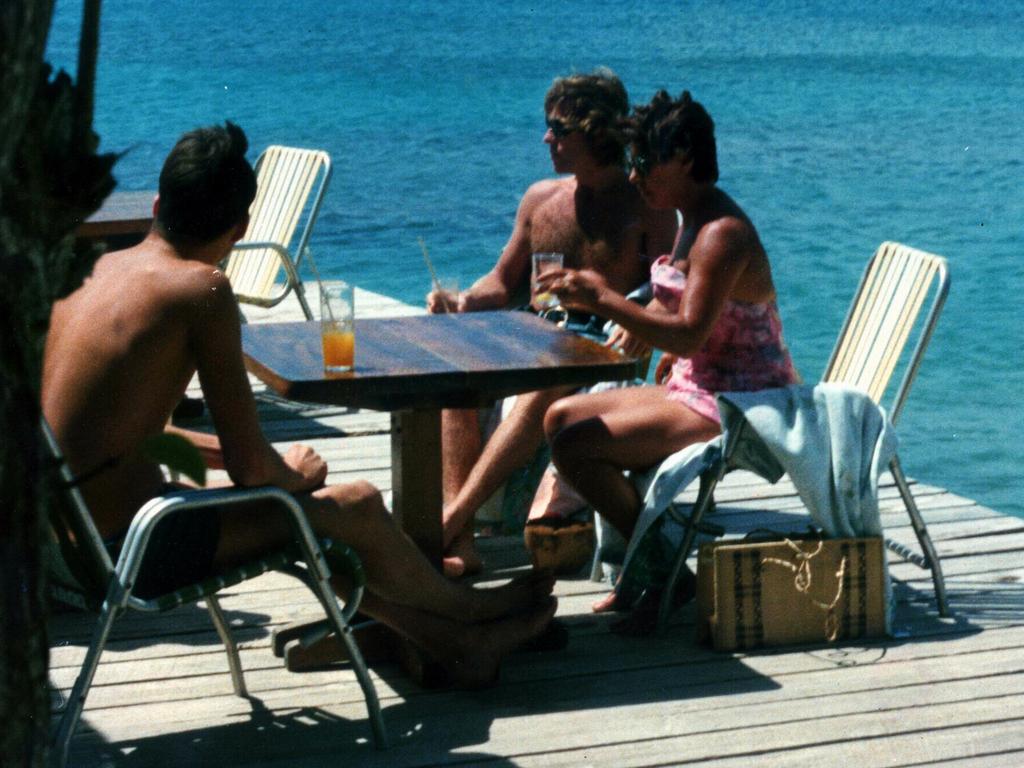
(595, 104)
(206, 185)
(665, 129)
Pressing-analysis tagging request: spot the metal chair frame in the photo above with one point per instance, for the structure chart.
(114, 583)
(285, 179)
(880, 321)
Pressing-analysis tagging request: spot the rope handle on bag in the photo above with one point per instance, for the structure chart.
(802, 581)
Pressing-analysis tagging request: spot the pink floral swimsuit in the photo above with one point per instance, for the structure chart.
(744, 352)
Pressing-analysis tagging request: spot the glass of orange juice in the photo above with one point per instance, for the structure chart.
(337, 327)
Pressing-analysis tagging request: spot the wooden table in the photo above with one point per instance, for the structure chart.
(123, 220)
(415, 366)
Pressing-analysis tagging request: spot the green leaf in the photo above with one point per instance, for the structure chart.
(178, 454)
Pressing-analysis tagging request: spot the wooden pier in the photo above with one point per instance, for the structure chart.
(941, 692)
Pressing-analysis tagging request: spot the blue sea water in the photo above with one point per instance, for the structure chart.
(838, 128)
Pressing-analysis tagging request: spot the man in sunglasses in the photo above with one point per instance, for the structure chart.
(597, 219)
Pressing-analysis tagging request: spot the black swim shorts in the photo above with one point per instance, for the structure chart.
(180, 552)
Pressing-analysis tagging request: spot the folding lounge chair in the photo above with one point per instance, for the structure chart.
(290, 186)
(82, 575)
(881, 319)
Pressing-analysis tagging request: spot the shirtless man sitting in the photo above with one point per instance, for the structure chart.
(593, 216)
(120, 353)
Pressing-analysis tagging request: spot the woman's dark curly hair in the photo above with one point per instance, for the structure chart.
(665, 129)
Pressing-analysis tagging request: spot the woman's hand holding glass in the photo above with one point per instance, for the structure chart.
(575, 289)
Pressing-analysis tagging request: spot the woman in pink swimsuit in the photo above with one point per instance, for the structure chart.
(713, 315)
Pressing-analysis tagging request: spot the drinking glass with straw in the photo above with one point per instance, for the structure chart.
(337, 327)
(337, 323)
(447, 291)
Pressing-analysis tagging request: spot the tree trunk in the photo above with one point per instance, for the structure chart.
(50, 179)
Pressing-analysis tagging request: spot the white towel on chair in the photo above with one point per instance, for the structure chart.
(831, 439)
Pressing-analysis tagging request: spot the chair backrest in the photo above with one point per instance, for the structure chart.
(882, 318)
(77, 562)
(285, 177)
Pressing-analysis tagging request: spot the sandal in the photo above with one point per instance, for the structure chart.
(558, 545)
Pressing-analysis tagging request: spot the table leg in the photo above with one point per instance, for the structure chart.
(417, 498)
(416, 478)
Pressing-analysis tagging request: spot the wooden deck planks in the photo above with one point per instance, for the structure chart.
(583, 684)
(944, 691)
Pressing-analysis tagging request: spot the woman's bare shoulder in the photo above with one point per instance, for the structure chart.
(725, 237)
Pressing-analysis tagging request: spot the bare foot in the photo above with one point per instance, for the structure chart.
(520, 595)
(606, 604)
(462, 559)
(482, 646)
(643, 618)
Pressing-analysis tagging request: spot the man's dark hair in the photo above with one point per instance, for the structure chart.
(595, 104)
(665, 128)
(206, 185)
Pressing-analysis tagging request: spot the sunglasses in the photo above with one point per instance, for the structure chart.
(559, 128)
(642, 164)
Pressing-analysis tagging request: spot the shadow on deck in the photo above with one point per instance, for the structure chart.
(546, 702)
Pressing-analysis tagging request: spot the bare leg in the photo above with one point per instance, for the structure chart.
(596, 437)
(395, 569)
(511, 446)
(460, 448)
(461, 445)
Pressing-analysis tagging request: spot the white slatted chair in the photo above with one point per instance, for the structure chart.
(290, 186)
(881, 320)
(83, 575)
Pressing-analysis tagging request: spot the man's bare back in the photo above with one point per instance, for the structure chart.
(120, 352)
(118, 359)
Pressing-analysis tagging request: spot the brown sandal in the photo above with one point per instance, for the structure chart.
(559, 546)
